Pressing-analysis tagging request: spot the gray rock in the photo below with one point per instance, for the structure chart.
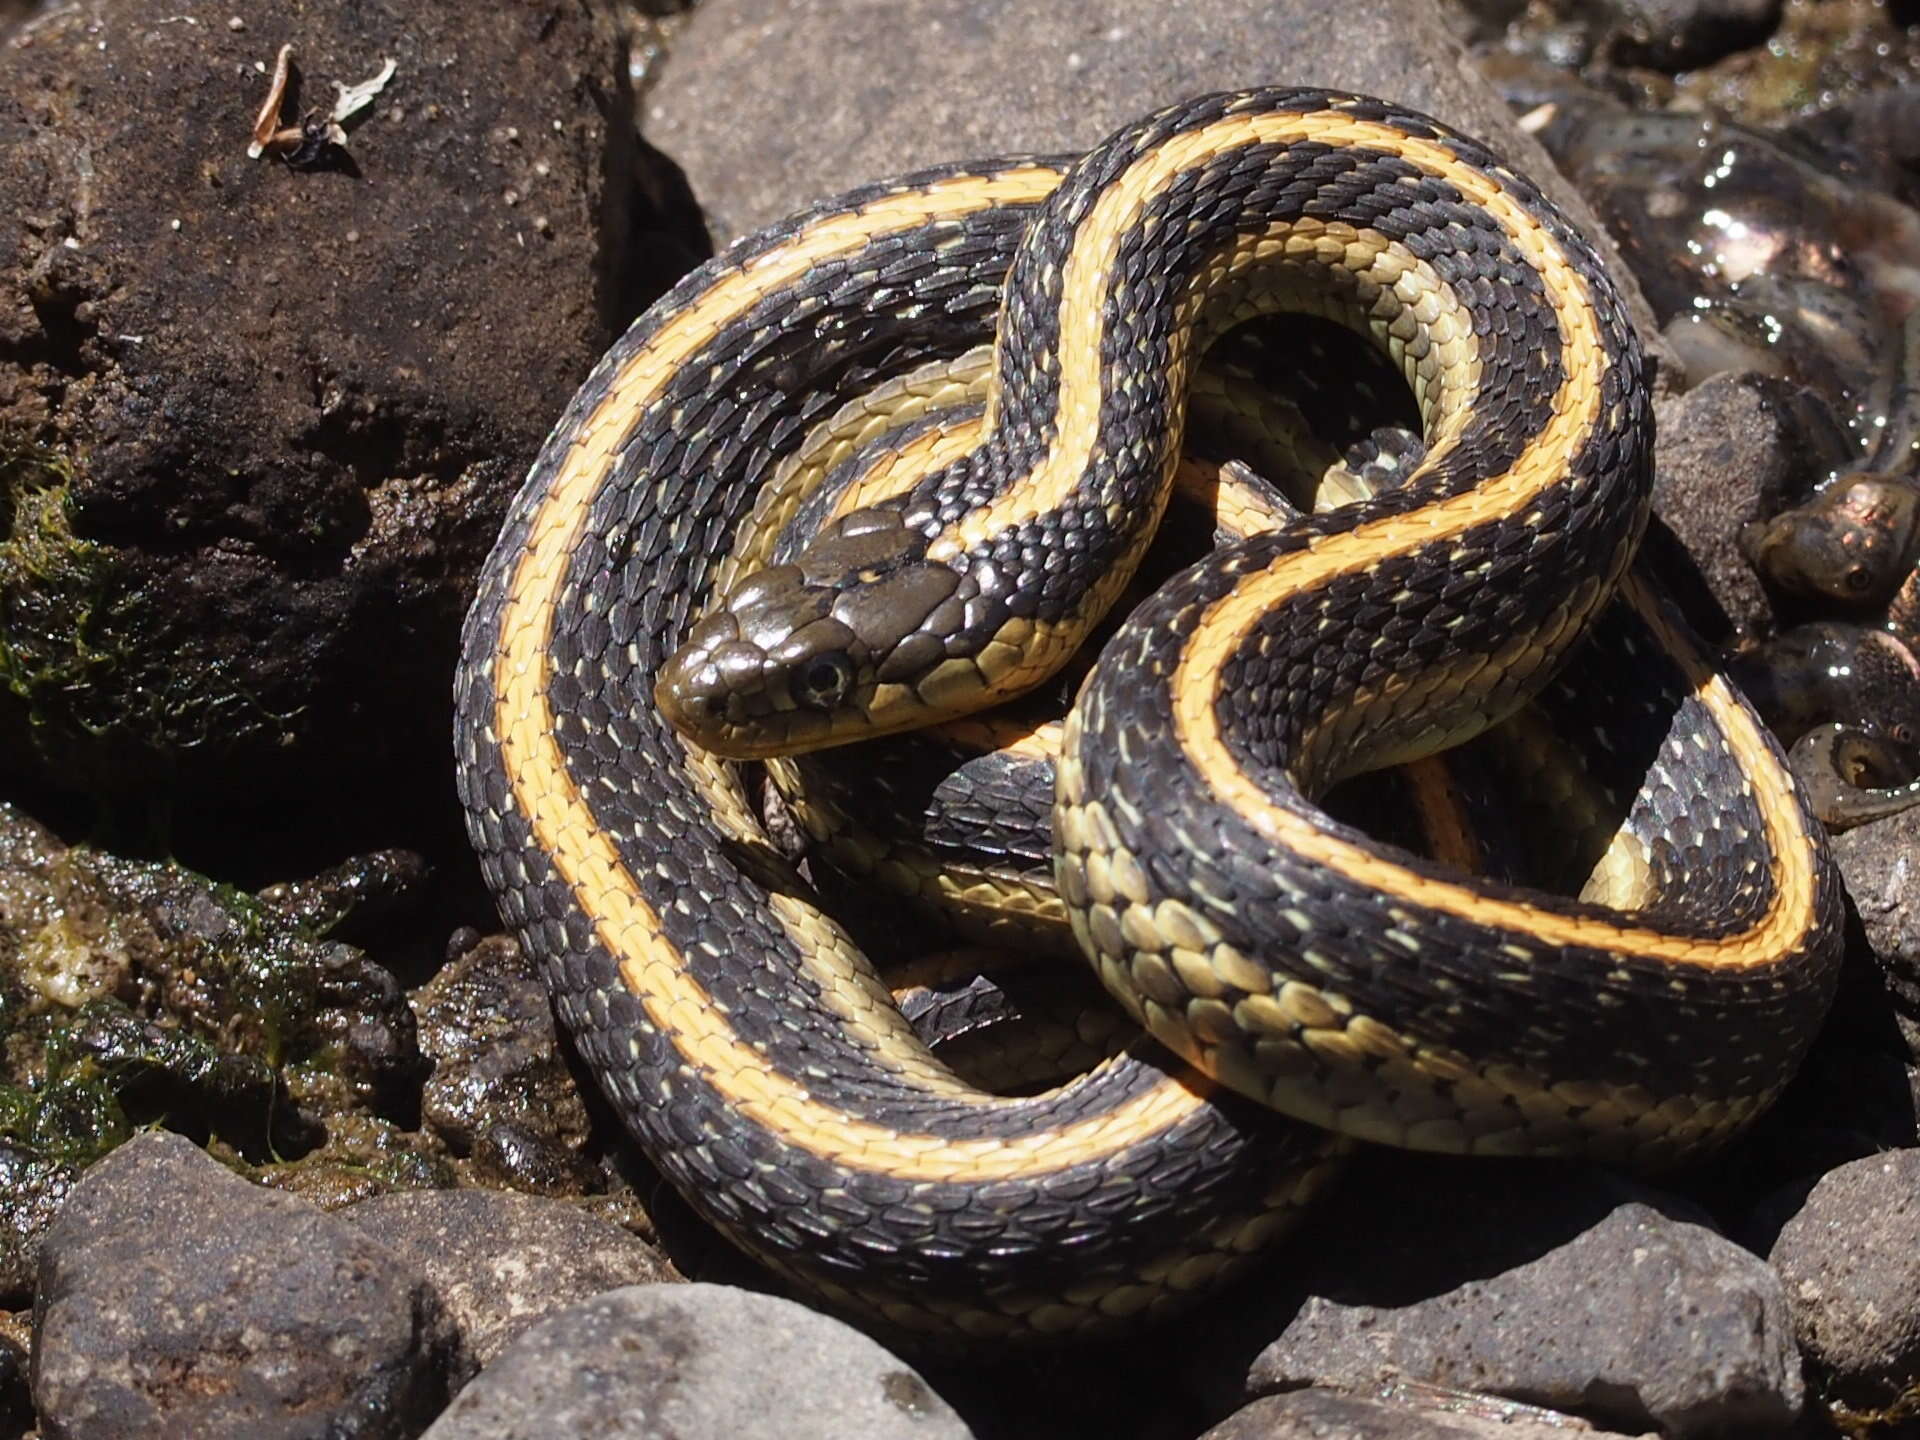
(1330, 1415)
(177, 1299)
(1849, 1263)
(770, 104)
(1881, 863)
(1557, 1286)
(503, 1262)
(696, 1362)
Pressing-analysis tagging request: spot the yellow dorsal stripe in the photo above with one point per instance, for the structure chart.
(1778, 934)
(1058, 474)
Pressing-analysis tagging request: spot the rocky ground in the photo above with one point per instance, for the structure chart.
(297, 1150)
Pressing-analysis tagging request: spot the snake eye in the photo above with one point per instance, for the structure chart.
(825, 681)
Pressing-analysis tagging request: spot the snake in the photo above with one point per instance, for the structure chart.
(620, 658)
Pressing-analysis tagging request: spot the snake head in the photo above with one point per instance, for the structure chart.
(837, 646)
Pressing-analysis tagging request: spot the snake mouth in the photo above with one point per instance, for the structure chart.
(747, 691)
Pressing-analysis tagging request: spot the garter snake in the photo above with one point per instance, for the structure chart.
(746, 1043)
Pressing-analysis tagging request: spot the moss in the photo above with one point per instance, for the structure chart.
(108, 682)
(60, 597)
(226, 1017)
(72, 1116)
(103, 1070)
(1868, 1422)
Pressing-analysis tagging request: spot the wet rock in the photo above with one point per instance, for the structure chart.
(132, 992)
(1823, 53)
(361, 1156)
(175, 1298)
(276, 412)
(1875, 136)
(1755, 257)
(744, 69)
(1558, 1286)
(503, 1262)
(16, 1401)
(1681, 34)
(1736, 448)
(1838, 671)
(61, 937)
(137, 989)
(32, 1190)
(1664, 35)
(1330, 1415)
(351, 899)
(697, 1362)
(1849, 1263)
(363, 1024)
(501, 1092)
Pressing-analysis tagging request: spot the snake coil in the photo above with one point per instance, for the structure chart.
(623, 642)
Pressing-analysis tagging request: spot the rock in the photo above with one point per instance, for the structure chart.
(1687, 196)
(32, 1190)
(504, 1262)
(177, 1299)
(1849, 1263)
(16, 1401)
(1557, 1286)
(280, 410)
(135, 991)
(1330, 1415)
(353, 899)
(1737, 447)
(1880, 862)
(1853, 1097)
(696, 1362)
(1682, 34)
(1877, 133)
(1831, 54)
(500, 1091)
(743, 71)
(362, 1156)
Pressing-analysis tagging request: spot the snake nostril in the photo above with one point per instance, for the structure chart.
(704, 693)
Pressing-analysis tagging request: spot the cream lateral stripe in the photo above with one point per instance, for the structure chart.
(937, 386)
(1239, 509)
(894, 472)
(1778, 934)
(1011, 738)
(1096, 244)
(586, 861)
